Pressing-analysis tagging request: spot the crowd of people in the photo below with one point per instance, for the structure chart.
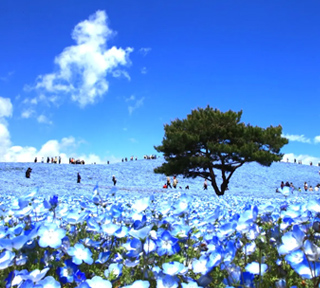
(305, 188)
(57, 160)
(54, 160)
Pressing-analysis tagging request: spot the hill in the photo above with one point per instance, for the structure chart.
(251, 180)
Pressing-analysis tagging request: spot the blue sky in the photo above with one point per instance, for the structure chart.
(97, 80)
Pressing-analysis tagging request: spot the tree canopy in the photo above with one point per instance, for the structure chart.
(209, 140)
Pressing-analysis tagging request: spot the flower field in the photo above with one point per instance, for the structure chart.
(56, 232)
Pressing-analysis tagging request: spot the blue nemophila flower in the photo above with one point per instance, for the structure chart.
(80, 254)
(121, 232)
(200, 265)
(92, 225)
(190, 284)
(140, 233)
(15, 243)
(6, 259)
(249, 248)
(226, 229)
(27, 284)
(15, 278)
(167, 281)
(141, 204)
(138, 284)
(256, 268)
(103, 257)
(182, 205)
(50, 235)
(114, 271)
(98, 282)
(49, 282)
(172, 268)
(149, 246)
(166, 244)
(234, 274)
(66, 273)
(109, 229)
(291, 240)
(54, 200)
(139, 223)
(312, 251)
(134, 247)
(79, 276)
(302, 266)
(36, 275)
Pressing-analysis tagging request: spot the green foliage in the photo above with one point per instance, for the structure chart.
(209, 140)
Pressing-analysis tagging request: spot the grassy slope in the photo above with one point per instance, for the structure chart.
(137, 176)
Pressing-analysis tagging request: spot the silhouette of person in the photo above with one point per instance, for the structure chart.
(169, 182)
(28, 172)
(78, 178)
(205, 185)
(114, 180)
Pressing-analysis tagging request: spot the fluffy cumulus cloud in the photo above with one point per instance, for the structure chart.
(297, 138)
(9, 153)
(82, 68)
(43, 119)
(64, 148)
(304, 158)
(5, 111)
(5, 107)
(317, 139)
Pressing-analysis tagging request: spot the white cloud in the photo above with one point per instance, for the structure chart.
(131, 98)
(65, 148)
(82, 68)
(27, 113)
(297, 138)
(5, 107)
(133, 140)
(316, 139)
(7, 77)
(145, 50)
(304, 158)
(144, 70)
(43, 119)
(136, 105)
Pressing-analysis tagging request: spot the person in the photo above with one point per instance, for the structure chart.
(305, 186)
(282, 185)
(205, 185)
(187, 187)
(42, 160)
(35, 160)
(310, 188)
(114, 180)
(78, 178)
(316, 188)
(59, 159)
(48, 160)
(175, 182)
(169, 182)
(28, 172)
(165, 186)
